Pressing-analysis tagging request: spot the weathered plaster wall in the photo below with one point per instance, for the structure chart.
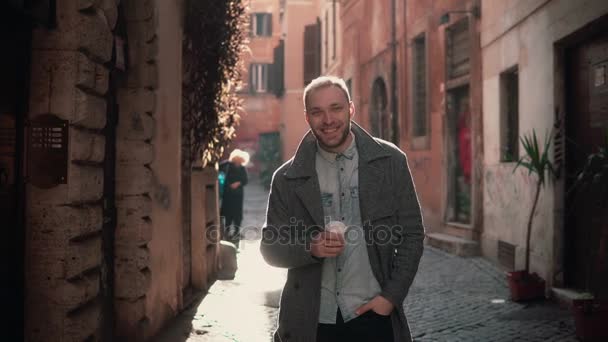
(164, 298)
(63, 224)
(293, 125)
(523, 33)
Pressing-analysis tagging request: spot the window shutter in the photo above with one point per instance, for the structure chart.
(277, 70)
(458, 49)
(252, 25)
(312, 52)
(251, 78)
(269, 24)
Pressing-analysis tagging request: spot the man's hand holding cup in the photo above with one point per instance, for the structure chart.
(330, 242)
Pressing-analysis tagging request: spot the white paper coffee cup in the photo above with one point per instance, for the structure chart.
(336, 227)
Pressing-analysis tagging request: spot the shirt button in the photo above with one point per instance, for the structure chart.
(341, 169)
(338, 293)
(342, 218)
(339, 270)
(342, 194)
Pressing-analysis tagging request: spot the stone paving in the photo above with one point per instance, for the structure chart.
(452, 299)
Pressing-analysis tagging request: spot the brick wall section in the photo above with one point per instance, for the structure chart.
(134, 178)
(63, 239)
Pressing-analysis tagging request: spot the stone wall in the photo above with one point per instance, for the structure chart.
(63, 237)
(134, 177)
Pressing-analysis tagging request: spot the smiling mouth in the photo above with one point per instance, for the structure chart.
(329, 130)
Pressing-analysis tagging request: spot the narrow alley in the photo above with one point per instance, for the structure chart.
(452, 299)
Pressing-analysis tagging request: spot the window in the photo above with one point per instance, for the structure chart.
(326, 42)
(333, 29)
(419, 101)
(458, 49)
(261, 25)
(509, 115)
(258, 78)
(312, 51)
(349, 86)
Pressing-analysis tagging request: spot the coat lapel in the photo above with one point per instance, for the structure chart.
(303, 172)
(375, 201)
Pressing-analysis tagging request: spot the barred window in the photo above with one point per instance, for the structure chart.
(419, 84)
(261, 25)
(258, 78)
(509, 115)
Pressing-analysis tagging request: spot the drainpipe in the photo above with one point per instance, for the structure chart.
(395, 116)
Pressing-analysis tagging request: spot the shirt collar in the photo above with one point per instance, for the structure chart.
(349, 153)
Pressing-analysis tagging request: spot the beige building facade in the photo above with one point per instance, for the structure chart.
(259, 127)
(542, 71)
(302, 61)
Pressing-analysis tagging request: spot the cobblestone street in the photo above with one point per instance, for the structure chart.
(452, 299)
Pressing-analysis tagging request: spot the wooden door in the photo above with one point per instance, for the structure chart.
(586, 125)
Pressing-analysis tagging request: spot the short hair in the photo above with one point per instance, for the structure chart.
(237, 153)
(325, 81)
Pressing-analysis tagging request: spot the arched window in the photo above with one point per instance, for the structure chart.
(379, 115)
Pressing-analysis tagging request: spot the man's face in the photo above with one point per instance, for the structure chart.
(328, 114)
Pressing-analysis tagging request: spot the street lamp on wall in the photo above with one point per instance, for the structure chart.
(445, 18)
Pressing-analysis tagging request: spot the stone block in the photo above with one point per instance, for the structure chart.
(136, 10)
(85, 184)
(129, 315)
(83, 324)
(135, 230)
(86, 5)
(143, 75)
(92, 76)
(76, 293)
(65, 35)
(133, 180)
(64, 222)
(89, 110)
(137, 100)
(86, 146)
(44, 319)
(143, 46)
(133, 223)
(134, 152)
(130, 283)
(95, 37)
(128, 255)
(53, 77)
(82, 256)
(135, 126)
(110, 11)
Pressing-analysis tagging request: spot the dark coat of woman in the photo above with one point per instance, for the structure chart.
(232, 199)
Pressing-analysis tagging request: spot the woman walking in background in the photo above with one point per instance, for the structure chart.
(232, 197)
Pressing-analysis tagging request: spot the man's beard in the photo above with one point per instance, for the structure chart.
(342, 139)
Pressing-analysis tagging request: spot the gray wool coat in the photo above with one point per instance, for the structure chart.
(389, 208)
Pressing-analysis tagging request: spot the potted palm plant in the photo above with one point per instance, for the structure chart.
(591, 313)
(522, 284)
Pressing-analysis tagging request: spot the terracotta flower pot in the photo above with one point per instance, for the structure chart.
(525, 286)
(591, 319)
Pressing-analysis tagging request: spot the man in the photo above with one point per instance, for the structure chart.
(342, 287)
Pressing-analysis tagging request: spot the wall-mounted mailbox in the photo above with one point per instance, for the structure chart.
(47, 162)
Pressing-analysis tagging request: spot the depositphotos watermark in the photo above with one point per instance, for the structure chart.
(298, 233)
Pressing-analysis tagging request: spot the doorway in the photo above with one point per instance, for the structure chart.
(380, 118)
(586, 225)
(459, 157)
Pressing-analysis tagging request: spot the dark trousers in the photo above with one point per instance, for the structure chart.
(369, 327)
(232, 223)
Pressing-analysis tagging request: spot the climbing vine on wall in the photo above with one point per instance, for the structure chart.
(214, 39)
